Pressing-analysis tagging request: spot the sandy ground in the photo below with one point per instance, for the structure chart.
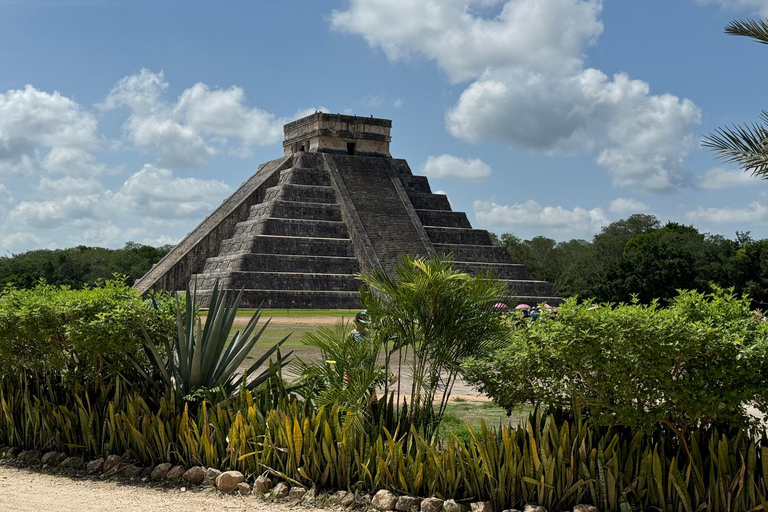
(28, 491)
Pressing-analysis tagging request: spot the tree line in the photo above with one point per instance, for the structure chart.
(640, 257)
(78, 267)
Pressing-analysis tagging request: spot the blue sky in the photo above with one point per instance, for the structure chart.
(133, 120)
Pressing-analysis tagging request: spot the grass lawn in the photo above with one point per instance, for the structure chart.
(460, 412)
(299, 313)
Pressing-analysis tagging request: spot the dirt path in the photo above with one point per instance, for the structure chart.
(28, 491)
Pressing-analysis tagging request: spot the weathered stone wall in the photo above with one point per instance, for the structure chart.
(330, 133)
(174, 270)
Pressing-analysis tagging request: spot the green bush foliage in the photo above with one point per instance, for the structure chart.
(78, 337)
(551, 461)
(699, 362)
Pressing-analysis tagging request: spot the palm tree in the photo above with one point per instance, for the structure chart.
(440, 315)
(745, 145)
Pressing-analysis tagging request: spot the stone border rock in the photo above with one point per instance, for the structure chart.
(235, 482)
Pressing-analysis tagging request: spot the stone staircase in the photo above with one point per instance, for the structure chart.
(293, 251)
(451, 233)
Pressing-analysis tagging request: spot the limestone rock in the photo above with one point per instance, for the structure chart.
(51, 458)
(452, 506)
(132, 471)
(585, 508)
(175, 472)
(244, 489)
(12, 453)
(95, 466)
(407, 503)
(262, 484)
(384, 500)
(481, 506)
(211, 474)
(112, 461)
(432, 505)
(72, 462)
(347, 500)
(227, 481)
(194, 475)
(4, 449)
(281, 490)
(338, 496)
(30, 456)
(297, 493)
(310, 495)
(534, 508)
(161, 471)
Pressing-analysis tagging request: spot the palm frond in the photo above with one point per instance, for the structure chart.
(745, 145)
(756, 29)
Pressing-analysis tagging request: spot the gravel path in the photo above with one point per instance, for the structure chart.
(22, 490)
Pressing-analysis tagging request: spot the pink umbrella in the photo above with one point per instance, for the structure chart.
(523, 306)
(593, 307)
(547, 306)
(500, 305)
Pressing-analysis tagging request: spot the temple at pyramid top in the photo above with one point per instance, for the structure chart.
(335, 133)
(299, 231)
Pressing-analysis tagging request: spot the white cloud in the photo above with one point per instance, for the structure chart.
(750, 214)
(449, 166)
(72, 210)
(68, 185)
(623, 205)
(37, 128)
(21, 241)
(718, 178)
(531, 213)
(155, 192)
(201, 123)
(531, 89)
(759, 7)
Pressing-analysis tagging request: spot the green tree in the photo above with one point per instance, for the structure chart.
(440, 315)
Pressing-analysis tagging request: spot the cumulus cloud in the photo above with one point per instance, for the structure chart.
(752, 213)
(43, 131)
(68, 185)
(623, 205)
(530, 88)
(449, 166)
(155, 192)
(718, 178)
(203, 122)
(531, 213)
(71, 210)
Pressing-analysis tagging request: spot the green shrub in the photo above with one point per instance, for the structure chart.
(551, 461)
(78, 336)
(700, 361)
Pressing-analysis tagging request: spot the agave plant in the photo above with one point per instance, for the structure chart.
(202, 358)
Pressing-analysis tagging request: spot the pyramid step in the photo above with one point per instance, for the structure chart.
(291, 299)
(301, 210)
(500, 270)
(474, 253)
(303, 193)
(444, 218)
(458, 236)
(423, 201)
(279, 281)
(304, 176)
(529, 288)
(288, 245)
(283, 263)
(290, 227)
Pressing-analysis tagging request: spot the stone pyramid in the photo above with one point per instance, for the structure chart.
(299, 230)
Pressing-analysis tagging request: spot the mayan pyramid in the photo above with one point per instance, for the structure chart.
(298, 231)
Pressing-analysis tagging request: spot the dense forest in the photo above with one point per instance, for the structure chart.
(639, 256)
(78, 266)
